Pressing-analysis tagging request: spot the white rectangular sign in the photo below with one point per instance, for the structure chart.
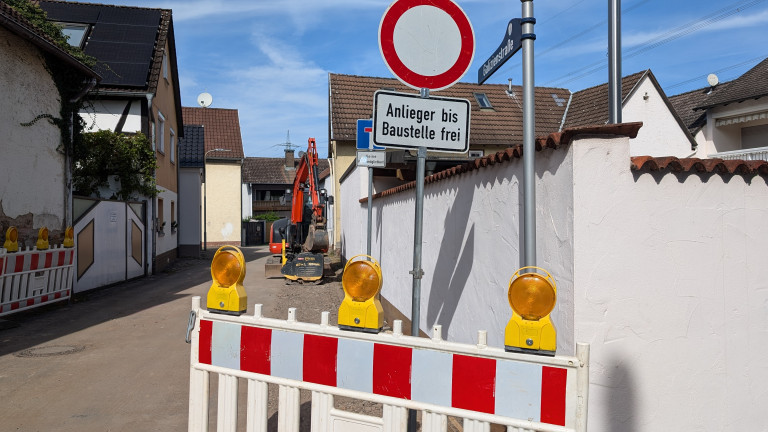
(374, 159)
(409, 121)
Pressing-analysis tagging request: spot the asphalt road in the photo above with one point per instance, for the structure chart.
(115, 359)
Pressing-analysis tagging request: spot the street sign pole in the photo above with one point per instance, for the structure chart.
(417, 272)
(529, 144)
(370, 209)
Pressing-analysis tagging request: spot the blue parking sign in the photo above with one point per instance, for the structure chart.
(364, 131)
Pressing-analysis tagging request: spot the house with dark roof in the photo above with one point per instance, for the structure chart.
(730, 119)
(191, 152)
(496, 124)
(222, 173)
(642, 100)
(135, 53)
(36, 161)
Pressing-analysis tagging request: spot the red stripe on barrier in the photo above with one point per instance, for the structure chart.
(553, 382)
(48, 259)
(71, 256)
(14, 305)
(392, 371)
(206, 335)
(61, 258)
(474, 383)
(43, 299)
(19, 264)
(57, 295)
(2, 266)
(255, 349)
(34, 260)
(30, 302)
(320, 359)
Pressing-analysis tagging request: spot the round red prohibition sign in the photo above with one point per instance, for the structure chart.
(426, 43)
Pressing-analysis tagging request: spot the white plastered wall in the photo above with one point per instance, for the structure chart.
(671, 293)
(32, 167)
(661, 134)
(662, 274)
(471, 247)
(223, 202)
(105, 115)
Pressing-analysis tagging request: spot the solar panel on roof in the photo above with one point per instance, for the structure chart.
(122, 39)
(117, 15)
(66, 12)
(124, 33)
(123, 74)
(108, 52)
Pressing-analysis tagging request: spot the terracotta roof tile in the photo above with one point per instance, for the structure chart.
(752, 84)
(552, 141)
(590, 106)
(222, 130)
(714, 166)
(351, 98)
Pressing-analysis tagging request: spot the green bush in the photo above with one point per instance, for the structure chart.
(269, 216)
(102, 154)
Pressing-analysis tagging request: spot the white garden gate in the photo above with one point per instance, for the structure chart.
(478, 383)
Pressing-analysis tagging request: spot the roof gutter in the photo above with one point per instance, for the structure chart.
(89, 85)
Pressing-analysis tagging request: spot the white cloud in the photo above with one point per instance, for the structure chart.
(281, 90)
(202, 9)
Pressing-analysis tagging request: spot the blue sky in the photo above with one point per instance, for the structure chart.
(270, 59)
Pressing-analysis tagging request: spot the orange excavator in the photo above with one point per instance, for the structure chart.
(302, 240)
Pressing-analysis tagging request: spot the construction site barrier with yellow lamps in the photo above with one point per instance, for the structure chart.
(35, 276)
(478, 384)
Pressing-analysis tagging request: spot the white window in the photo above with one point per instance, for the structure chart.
(160, 132)
(75, 33)
(172, 146)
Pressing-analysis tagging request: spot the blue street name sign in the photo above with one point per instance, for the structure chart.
(511, 43)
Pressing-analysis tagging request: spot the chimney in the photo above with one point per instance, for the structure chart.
(289, 163)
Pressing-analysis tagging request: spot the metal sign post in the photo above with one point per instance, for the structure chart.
(369, 155)
(442, 31)
(370, 211)
(529, 144)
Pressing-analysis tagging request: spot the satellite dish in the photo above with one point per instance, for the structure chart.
(204, 99)
(712, 80)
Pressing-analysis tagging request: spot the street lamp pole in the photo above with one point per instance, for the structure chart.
(205, 195)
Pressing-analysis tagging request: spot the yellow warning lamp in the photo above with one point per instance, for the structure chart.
(532, 296)
(11, 239)
(69, 237)
(227, 295)
(42, 239)
(361, 310)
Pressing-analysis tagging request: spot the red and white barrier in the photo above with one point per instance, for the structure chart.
(480, 384)
(32, 278)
